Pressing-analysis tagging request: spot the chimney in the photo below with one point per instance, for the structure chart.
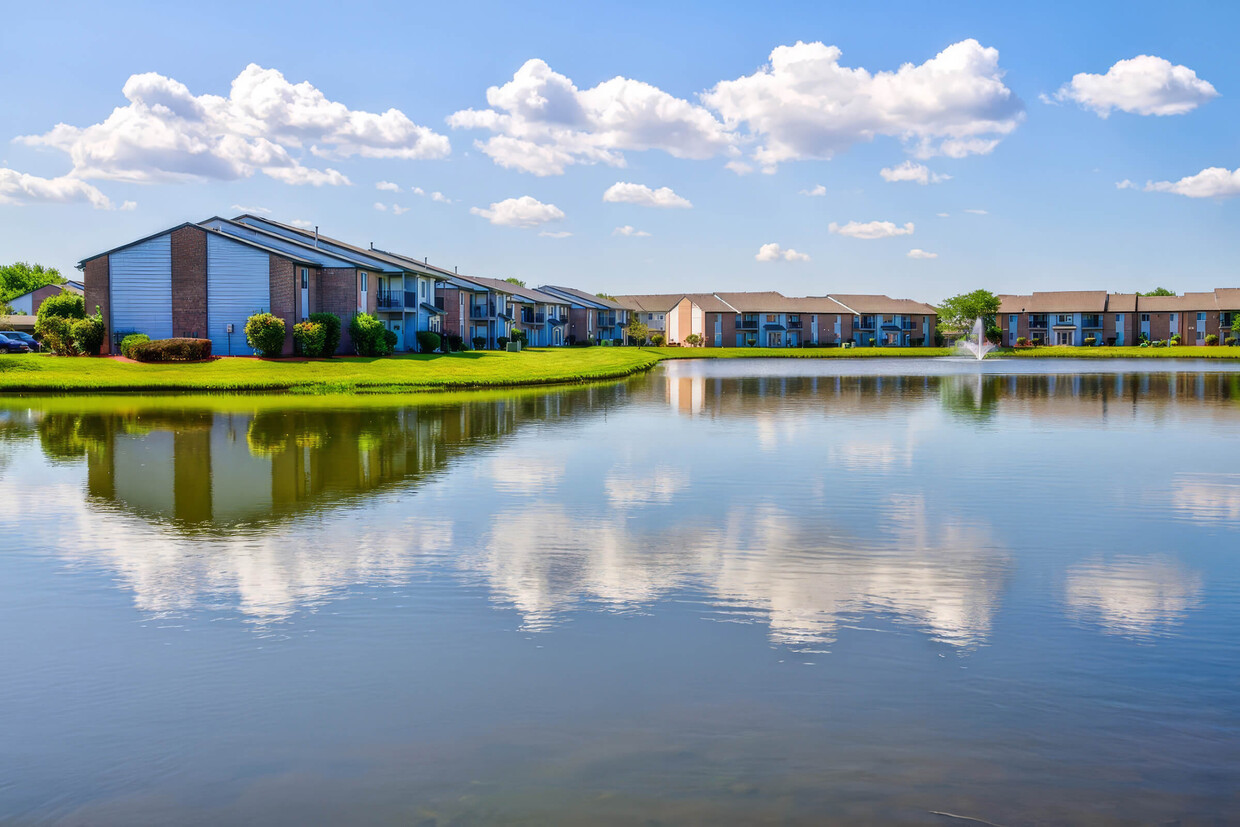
(316, 235)
(372, 245)
(456, 269)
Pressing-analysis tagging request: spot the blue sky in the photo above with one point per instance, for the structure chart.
(1028, 165)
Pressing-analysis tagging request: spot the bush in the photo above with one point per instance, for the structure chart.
(479, 342)
(1090, 341)
(127, 344)
(53, 325)
(331, 332)
(1021, 341)
(1211, 339)
(88, 334)
(693, 340)
(308, 338)
(658, 340)
(752, 341)
(367, 333)
(265, 333)
(455, 343)
(388, 342)
(501, 342)
(171, 350)
(428, 341)
(1232, 341)
(872, 341)
(519, 337)
(1174, 340)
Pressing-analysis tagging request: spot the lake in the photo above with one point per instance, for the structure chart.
(885, 591)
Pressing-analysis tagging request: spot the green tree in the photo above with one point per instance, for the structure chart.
(959, 312)
(1158, 291)
(20, 277)
(516, 281)
(607, 296)
(637, 331)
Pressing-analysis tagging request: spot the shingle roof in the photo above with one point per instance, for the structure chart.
(1172, 304)
(583, 296)
(1121, 302)
(527, 293)
(862, 303)
(1228, 298)
(651, 302)
(1063, 301)
(249, 242)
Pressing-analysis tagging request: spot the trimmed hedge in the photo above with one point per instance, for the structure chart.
(308, 338)
(265, 333)
(130, 341)
(54, 323)
(331, 332)
(170, 350)
(428, 341)
(88, 334)
(368, 335)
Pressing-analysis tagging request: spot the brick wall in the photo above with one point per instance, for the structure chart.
(284, 290)
(337, 293)
(96, 279)
(189, 282)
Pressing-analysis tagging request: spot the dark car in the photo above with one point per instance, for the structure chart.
(8, 345)
(31, 342)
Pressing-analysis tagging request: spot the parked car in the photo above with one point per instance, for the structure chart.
(31, 342)
(8, 345)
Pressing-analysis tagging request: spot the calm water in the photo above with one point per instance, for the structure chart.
(742, 592)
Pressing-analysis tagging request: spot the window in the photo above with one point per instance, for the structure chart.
(363, 282)
(771, 318)
(1173, 317)
(650, 317)
(1119, 318)
(660, 317)
(305, 279)
(1145, 317)
(1064, 318)
(423, 290)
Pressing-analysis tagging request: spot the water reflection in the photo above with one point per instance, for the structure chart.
(1133, 596)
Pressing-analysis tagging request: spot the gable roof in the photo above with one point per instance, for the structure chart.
(582, 297)
(248, 242)
(1062, 301)
(1172, 304)
(880, 303)
(651, 302)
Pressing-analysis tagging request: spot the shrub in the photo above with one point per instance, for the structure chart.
(308, 338)
(872, 341)
(658, 340)
(331, 332)
(455, 343)
(479, 342)
(367, 333)
(53, 325)
(428, 341)
(1211, 339)
(129, 341)
(265, 333)
(1174, 340)
(1232, 341)
(1021, 341)
(1090, 341)
(571, 340)
(501, 342)
(171, 350)
(388, 342)
(693, 340)
(88, 334)
(519, 337)
(752, 341)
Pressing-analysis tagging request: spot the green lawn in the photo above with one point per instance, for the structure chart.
(459, 371)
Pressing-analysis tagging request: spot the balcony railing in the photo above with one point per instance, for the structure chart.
(481, 311)
(389, 299)
(746, 324)
(1037, 324)
(1091, 321)
(794, 325)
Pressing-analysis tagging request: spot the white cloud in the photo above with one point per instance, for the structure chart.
(773, 252)
(1212, 182)
(387, 186)
(1143, 85)
(20, 188)
(629, 230)
(816, 192)
(805, 105)
(267, 124)
(919, 253)
(544, 123)
(380, 206)
(1125, 185)
(525, 211)
(417, 191)
(129, 206)
(251, 210)
(943, 214)
(912, 171)
(303, 223)
(871, 229)
(558, 234)
(977, 212)
(739, 167)
(441, 198)
(642, 195)
(397, 209)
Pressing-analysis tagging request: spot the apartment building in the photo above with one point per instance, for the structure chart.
(1077, 318)
(591, 317)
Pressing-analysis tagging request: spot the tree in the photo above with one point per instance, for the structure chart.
(516, 281)
(960, 312)
(1158, 291)
(607, 296)
(20, 277)
(637, 331)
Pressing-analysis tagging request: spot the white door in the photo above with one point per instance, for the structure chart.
(362, 304)
(305, 294)
(1063, 337)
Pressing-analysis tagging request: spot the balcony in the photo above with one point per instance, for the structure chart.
(481, 311)
(394, 299)
(1037, 324)
(1091, 321)
(746, 324)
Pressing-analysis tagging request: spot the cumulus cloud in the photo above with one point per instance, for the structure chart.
(129, 206)
(1125, 185)
(1143, 85)
(642, 195)
(380, 206)
(397, 209)
(773, 252)
(1212, 182)
(557, 234)
(912, 171)
(525, 211)
(266, 124)
(816, 192)
(629, 230)
(302, 223)
(804, 105)
(440, 197)
(387, 186)
(251, 210)
(870, 229)
(739, 167)
(20, 188)
(919, 253)
(544, 123)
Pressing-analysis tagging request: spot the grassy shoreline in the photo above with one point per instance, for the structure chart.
(41, 373)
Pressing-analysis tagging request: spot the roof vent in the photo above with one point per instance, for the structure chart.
(316, 235)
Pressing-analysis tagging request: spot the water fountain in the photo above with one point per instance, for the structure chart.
(976, 344)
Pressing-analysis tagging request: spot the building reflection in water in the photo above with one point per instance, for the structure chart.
(278, 506)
